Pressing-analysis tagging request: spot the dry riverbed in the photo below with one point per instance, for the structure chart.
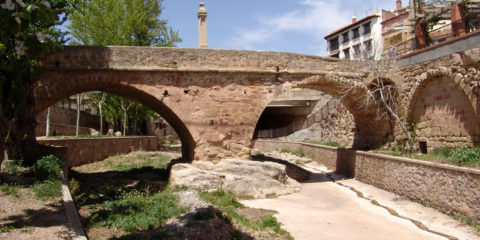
(127, 197)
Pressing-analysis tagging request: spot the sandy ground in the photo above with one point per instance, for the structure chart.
(345, 210)
(32, 218)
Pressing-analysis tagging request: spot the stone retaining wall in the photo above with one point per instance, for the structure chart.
(86, 150)
(453, 190)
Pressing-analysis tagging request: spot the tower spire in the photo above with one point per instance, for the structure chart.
(202, 26)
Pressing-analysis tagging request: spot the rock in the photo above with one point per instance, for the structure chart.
(245, 178)
(118, 133)
(110, 132)
(93, 132)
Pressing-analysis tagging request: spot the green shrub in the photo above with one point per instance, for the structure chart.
(48, 167)
(48, 189)
(465, 156)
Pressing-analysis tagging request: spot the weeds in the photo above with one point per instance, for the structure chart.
(461, 156)
(228, 204)
(298, 152)
(6, 228)
(10, 189)
(134, 210)
(465, 156)
(330, 144)
(469, 221)
(48, 189)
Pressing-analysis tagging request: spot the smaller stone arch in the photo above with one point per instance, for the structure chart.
(442, 112)
(369, 132)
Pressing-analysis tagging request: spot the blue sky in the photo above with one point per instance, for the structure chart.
(272, 25)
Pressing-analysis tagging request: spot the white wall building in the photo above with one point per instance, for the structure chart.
(362, 38)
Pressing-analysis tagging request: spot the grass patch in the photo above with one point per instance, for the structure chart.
(10, 189)
(330, 144)
(228, 204)
(461, 156)
(469, 221)
(298, 152)
(6, 228)
(48, 189)
(135, 210)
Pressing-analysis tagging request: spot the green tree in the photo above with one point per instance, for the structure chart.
(127, 23)
(121, 22)
(27, 32)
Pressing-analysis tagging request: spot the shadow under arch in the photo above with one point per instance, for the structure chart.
(427, 97)
(132, 93)
(369, 132)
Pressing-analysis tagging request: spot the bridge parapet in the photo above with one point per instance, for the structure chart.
(195, 60)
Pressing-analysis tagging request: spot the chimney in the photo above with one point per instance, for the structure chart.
(399, 5)
(354, 19)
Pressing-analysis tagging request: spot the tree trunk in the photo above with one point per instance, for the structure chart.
(47, 128)
(78, 115)
(101, 120)
(411, 142)
(124, 122)
(100, 104)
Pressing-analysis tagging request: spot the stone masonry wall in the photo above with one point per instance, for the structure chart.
(440, 100)
(331, 123)
(59, 130)
(87, 150)
(453, 190)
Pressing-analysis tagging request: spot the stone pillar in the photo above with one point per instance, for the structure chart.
(202, 26)
(420, 37)
(457, 16)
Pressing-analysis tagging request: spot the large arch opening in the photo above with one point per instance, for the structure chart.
(442, 115)
(131, 93)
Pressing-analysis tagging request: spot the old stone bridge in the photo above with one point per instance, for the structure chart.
(212, 98)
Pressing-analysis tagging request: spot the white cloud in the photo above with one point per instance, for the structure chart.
(315, 18)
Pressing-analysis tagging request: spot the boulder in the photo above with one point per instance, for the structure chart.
(243, 177)
(94, 132)
(118, 134)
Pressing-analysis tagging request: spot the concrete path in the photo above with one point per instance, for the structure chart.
(348, 209)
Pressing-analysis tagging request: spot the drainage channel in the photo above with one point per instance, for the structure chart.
(417, 223)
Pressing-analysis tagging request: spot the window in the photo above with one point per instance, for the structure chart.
(356, 51)
(356, 33)
(345, 37)
(346, 53)
(334, 44)
(368, 46)
(366, 28)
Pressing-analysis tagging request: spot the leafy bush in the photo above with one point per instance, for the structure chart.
(465, 156)
(48, 167)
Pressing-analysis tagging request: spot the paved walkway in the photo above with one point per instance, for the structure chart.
(348, 209)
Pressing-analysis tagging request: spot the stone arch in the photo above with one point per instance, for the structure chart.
(369, 132)
(442, 111)
(51, 89)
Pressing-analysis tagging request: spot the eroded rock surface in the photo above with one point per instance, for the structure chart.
(245, 178)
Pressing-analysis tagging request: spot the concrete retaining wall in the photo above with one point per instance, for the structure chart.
(86, 150)
(453, 190)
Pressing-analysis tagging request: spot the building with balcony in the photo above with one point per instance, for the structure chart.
(397, 33)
